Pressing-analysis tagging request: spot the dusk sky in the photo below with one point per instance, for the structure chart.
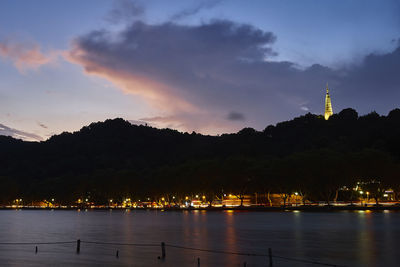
(205, 66)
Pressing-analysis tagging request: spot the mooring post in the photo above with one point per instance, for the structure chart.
(117, 255)
(36, 250)
(270, 257)
(162, 250)
(198, 262)
(244, 264)
(78, 246)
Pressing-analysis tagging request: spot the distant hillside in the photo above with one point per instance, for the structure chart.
(114, 157)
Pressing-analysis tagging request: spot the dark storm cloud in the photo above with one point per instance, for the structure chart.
(193, 74)
(7, 131)
(374, 83)
(182, 69)
(236, 116)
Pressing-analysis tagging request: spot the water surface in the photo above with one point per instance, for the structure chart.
(358, 238)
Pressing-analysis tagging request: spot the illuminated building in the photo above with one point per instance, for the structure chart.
(328, 104)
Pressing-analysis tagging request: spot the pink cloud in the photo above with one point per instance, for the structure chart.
(155, 93)
(176, 111)
(25, 56)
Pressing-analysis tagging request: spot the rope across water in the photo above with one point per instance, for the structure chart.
(173, 246)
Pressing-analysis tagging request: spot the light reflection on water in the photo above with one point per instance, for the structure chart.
(348, 238)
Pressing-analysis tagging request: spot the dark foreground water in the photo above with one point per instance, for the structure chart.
(346, 238)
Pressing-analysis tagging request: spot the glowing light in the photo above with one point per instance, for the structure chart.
(361, 192)
(186, 198)
(111, 200)
(197, 195)
(296, 193)
(328, 104)
(385, 195)
(163, 199)
(204, 197)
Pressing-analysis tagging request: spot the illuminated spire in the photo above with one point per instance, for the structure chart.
(328, 104)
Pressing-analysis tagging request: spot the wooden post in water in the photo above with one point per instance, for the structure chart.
(78, 246)
(198, 262)
(36, 250)
(162, 250)
(270, 257)
(117, 255)
(244, 264)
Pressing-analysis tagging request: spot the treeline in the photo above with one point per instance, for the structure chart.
(114, 159)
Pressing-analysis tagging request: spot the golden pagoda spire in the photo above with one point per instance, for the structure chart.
(328, 104)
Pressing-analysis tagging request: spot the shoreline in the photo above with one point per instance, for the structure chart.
(249, 209)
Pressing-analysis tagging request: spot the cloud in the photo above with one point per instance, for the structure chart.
(236, 116)
(173, 122)
(42, 125)
(4, 130)
(140, 122)
(190, 75)
(175, 68)
(209, 4)
(125, 11)
(24, 56)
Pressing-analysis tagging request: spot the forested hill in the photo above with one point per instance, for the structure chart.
(107, 158)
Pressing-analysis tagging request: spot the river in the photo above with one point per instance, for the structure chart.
(350, 238)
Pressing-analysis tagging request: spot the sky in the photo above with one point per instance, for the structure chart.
(207, 66)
